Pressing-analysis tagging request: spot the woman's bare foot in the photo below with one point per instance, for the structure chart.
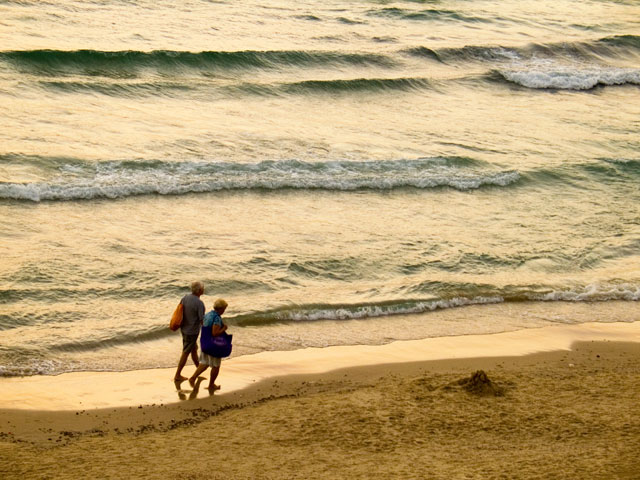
(213, 387)
(179, 378)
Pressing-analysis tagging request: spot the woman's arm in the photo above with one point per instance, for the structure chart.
(217, 329)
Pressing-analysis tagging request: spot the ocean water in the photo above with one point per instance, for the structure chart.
(342, 172)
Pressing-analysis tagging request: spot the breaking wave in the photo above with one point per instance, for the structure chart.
(77, 180)
(571, 78)
(302, 313)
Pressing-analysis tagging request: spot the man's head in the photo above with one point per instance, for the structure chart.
(220, 306)
(197, 288)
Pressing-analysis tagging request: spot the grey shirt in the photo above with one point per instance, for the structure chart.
(192, 315)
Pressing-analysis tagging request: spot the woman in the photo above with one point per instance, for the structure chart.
(214, 321)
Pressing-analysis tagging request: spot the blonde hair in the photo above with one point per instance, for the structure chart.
(220, 304)
(197, 287)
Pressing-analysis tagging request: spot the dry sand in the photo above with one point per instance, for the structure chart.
(561, 414)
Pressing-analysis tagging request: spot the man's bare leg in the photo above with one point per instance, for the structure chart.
(181, 364)
(194, 356)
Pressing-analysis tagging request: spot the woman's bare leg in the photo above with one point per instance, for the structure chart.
(212, 379)
(201, 368)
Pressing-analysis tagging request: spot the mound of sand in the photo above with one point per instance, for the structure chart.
(479, 384)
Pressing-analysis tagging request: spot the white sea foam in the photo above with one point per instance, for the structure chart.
(35, 367)
(570, 78)
(119, 180)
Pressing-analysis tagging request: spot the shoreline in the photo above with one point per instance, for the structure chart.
(101, 390)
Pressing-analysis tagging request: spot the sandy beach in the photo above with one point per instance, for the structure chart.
(562, 413)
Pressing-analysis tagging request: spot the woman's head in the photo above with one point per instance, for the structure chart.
(220, 305)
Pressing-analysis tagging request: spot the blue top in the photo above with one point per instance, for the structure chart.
(212, 318)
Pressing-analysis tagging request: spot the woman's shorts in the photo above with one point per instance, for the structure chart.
(209, 360)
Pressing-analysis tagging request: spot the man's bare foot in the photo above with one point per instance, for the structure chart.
(213, 387)
(179, 378)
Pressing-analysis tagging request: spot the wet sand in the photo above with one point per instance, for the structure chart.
(571, 410)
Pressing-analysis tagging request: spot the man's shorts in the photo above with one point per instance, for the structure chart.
(189, 342)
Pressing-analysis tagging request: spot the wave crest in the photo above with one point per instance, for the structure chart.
(593, 293)
(130, 63)
(622, 47)
(429, 14)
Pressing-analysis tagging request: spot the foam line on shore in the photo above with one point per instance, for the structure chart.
(94, 390)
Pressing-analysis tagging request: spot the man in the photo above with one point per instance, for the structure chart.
(192, 316)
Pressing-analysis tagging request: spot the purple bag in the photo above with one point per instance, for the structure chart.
(219, 346)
